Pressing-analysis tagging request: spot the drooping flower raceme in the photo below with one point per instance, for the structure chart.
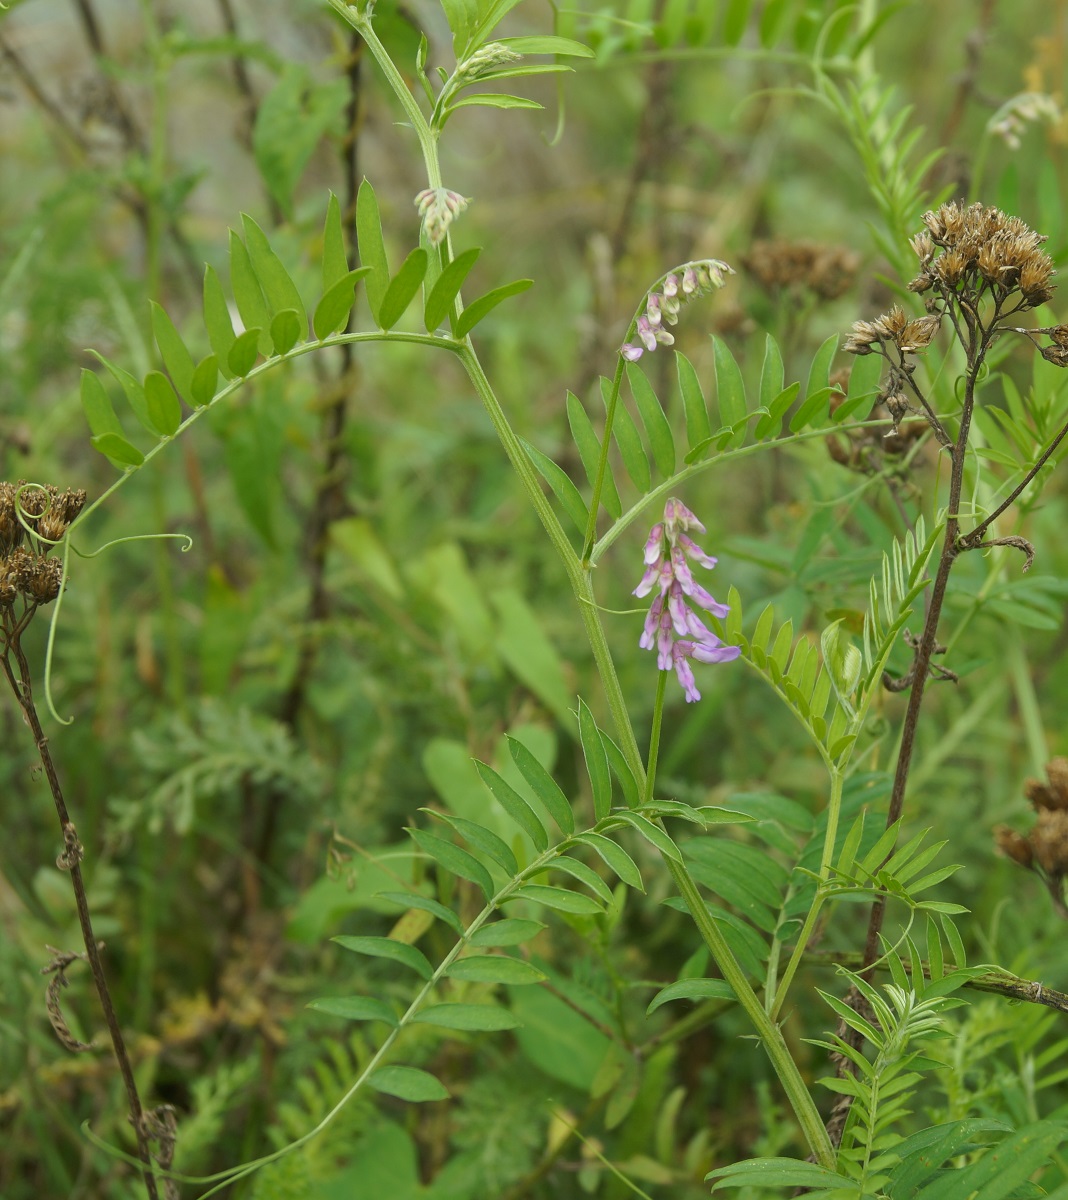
(672, 628)
(676, 288)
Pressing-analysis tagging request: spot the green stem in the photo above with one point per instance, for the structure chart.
(421, 127)
(602, 462)
(834, 809)
(654, 734)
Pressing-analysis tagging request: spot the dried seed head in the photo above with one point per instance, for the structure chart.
(1014, 845)
(780, 265)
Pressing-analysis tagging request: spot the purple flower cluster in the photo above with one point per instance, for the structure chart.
(676, 288)
(672, 628)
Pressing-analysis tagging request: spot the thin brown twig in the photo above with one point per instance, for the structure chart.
(70, 861)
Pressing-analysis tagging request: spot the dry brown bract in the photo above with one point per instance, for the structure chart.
(779, 265)
(1044, 849)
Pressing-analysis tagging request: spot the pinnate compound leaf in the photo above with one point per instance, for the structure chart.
(476, 1018)
(454, 859)
(356, 1008)
(332, 311)
(596, 762)
(176, 358)
(691, 989)
(217, 320)
(285, 330)
(118, 449)
(164, 410)
(514, 805)
(561, 484)
(407, 1083)
(244, 352)
(384, 947)
(97, 406)
(495, 968)
(511, 931)
(372, 247)
(205, 377)
(486, 304)
(543, 786)
(414, 900)
(446, 288)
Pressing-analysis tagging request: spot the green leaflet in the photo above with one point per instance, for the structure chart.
(279, 290)
(335, 261)
(615, 857)
(447, 287)
(176, 358)
(248, 295)
(629, 441)
(407, 1083)
(510, 931)
(415, 900)
(382, 947)
(402, 288)
(698, 426)
(482, 839)
(543, 786)
(205, 377)
(372, 247)
(730, 392)
(559, 898)
(621, 770)
(244, 352)
(332, 311)
(285, 330)
(478, 1018)
(217, 320)
(355, 1008)
(485, 304)
(454, 859)
(589, 447)
(162, 406)
(118, 449)
(691, 989)
(561, 484)
(495, 968)
(657, 427)
(596, 762)
(514, 805)
(97, 406)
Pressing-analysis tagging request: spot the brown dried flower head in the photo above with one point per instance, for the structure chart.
(781, 265)
(982, 250)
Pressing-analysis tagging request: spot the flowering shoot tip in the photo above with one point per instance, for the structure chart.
(672, 628)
